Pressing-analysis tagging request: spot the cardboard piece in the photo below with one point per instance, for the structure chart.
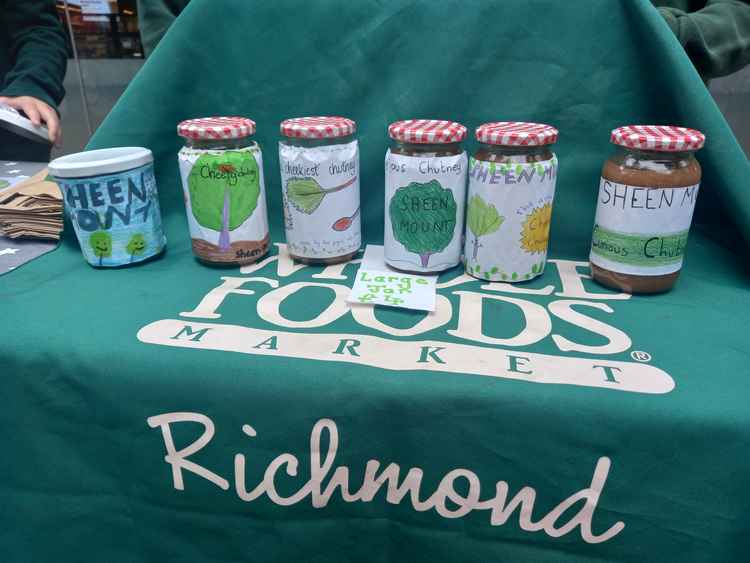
(32, 208)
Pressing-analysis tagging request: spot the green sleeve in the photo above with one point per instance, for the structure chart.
(716, 37)
(154, 19)
(38, 51)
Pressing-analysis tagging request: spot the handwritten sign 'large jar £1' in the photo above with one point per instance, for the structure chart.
(425, 195)
(225, 196)
(647, 195)
(319, 161)
(512, 180)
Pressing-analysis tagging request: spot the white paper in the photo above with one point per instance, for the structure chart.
(331, 227)
(423, 232)
(254, 228)
(646, 215)
(378, 284)
(509, 210)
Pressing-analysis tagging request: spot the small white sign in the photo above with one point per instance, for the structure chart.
(378, 284)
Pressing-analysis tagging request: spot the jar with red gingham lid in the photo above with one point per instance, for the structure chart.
(221, 167)
(647, 195)
(425, 195)
(512, 178)
(319, 162)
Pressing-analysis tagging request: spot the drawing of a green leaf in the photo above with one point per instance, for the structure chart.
(483, 219)
(305, 194)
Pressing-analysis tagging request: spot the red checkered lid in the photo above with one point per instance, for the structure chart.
(663, 138)
(321, 127)
(427, 131)
(516, 134)
(216, 128)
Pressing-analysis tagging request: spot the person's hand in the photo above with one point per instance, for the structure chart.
(37, 111)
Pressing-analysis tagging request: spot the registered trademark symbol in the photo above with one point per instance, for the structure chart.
(639, 356)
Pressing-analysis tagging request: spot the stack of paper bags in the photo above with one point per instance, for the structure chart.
(32, 208)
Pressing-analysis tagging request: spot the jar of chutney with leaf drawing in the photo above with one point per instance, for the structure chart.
(225, 197)
(512, 178)
(319, 162)
(425, 194)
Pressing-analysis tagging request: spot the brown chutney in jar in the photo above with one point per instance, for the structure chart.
(319, 163)
(646, 201)
(425, 195)
(221, 167)
(512, 179)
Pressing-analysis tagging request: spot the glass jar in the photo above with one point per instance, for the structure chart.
(646, 200)
(319, 162)
(425, 195)
(512, 179)
(222, 178)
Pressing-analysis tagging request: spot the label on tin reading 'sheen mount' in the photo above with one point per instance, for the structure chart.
(116, 217)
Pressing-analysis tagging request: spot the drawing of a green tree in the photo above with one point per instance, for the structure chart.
(101, 244)
(483, 219)
(224, 191)
(136, 245)
(423, 218)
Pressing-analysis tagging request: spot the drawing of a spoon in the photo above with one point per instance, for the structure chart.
(345, 222)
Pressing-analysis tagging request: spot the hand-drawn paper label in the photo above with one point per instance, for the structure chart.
(225, 203)
(320, 187)
(508, 219)
(116, 217)
(377, 284)
(641, 231)
(424, 210)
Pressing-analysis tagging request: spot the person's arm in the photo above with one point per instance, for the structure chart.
(39, 57)
(154, 19)
(716, 38)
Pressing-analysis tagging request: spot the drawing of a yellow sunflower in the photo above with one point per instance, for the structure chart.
(535, 229)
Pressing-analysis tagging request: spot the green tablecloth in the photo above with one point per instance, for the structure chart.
(554, 421)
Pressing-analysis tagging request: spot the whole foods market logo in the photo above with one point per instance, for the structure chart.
(452, 339)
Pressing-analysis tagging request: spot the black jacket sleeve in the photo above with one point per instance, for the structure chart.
(37, 50)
